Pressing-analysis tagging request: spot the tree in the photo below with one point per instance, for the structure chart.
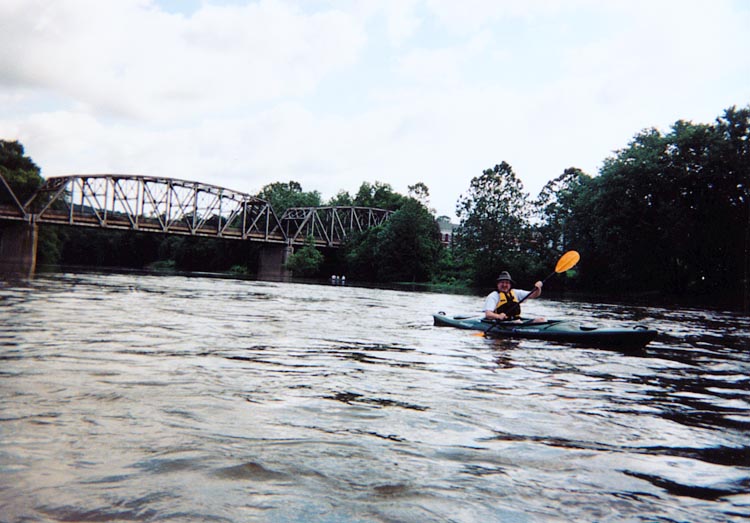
(24, 178)
(493, 231)
(613, 220)
(554, 209)
(405, 248)
(409, 246)
(362, 254)
(342, 199)
(420, 192)
(669, 212)
(734, 160)
(281, 196)
(21, 173)
(378, 195)
(306, 261)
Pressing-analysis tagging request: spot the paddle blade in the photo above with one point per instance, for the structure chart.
(567, 261)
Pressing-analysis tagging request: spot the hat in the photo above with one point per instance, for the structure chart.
(505, 275)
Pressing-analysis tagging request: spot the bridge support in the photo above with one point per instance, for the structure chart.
(18, 248)
(271, 262)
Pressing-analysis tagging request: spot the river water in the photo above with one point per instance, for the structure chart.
(176, 399)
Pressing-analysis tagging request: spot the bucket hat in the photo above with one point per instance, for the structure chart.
(505, 275)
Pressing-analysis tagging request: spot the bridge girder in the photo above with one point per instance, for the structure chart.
(154, 204)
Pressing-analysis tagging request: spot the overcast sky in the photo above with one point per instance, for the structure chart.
(334, 93)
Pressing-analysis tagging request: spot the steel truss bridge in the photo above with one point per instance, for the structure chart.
(171, 206)
(329, 225)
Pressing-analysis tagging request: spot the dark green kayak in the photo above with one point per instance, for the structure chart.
(554, 330)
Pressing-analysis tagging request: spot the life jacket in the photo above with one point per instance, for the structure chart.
(508, 304)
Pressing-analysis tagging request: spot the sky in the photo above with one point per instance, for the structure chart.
(332, 94)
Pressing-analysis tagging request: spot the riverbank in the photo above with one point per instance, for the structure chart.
(717, 302)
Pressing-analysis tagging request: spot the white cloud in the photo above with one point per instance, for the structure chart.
(402, 20)
(241, 94)
(127, 58)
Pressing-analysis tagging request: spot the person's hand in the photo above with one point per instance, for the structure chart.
(502, 316)
(538, 285)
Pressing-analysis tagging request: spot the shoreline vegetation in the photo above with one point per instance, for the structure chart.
(640, 299)
(667, 217)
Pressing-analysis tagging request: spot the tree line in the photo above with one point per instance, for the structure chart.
(668, 214)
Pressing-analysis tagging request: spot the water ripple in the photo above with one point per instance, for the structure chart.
(142, 398)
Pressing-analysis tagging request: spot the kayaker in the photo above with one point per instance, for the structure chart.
(502, 304)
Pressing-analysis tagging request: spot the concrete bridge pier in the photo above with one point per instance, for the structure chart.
(271, 262)
(18, 242)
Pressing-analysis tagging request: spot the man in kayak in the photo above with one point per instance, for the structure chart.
(503, 304)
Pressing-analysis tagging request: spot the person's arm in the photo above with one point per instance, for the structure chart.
(490, 315)
(522, 294)
(537, 290)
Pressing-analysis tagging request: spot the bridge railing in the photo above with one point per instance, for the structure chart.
(154, 204)
(329, 226)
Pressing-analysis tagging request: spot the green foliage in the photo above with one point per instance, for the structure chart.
(420, 192)
(668, 212)
(282, 196)
(554, 209)
(378, 195)
(451, 271)
(405, 248)
(409, 246)
(493, 232)
(361, 254)
(49, 247)
(306, 261)
(342, 199)
(239, 270)
(24, 178)
(21, 173)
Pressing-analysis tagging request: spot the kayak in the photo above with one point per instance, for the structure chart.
(566, 331)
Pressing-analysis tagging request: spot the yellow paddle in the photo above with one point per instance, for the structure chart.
(566, 262)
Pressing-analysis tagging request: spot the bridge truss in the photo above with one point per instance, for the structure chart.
(152, 204)
(172, 206)
(329, 226)
(10, 207)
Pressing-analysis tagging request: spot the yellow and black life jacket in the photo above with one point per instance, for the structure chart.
(508, 304)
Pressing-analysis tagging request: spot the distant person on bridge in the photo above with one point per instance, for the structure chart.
(504, 303)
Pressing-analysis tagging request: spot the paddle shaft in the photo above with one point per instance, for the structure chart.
(532, 292)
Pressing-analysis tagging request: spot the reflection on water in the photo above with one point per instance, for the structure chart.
(141, 398)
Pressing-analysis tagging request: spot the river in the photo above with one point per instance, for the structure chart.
(196, 399)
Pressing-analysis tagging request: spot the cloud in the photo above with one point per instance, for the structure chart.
(241, 94)
(129, 59)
